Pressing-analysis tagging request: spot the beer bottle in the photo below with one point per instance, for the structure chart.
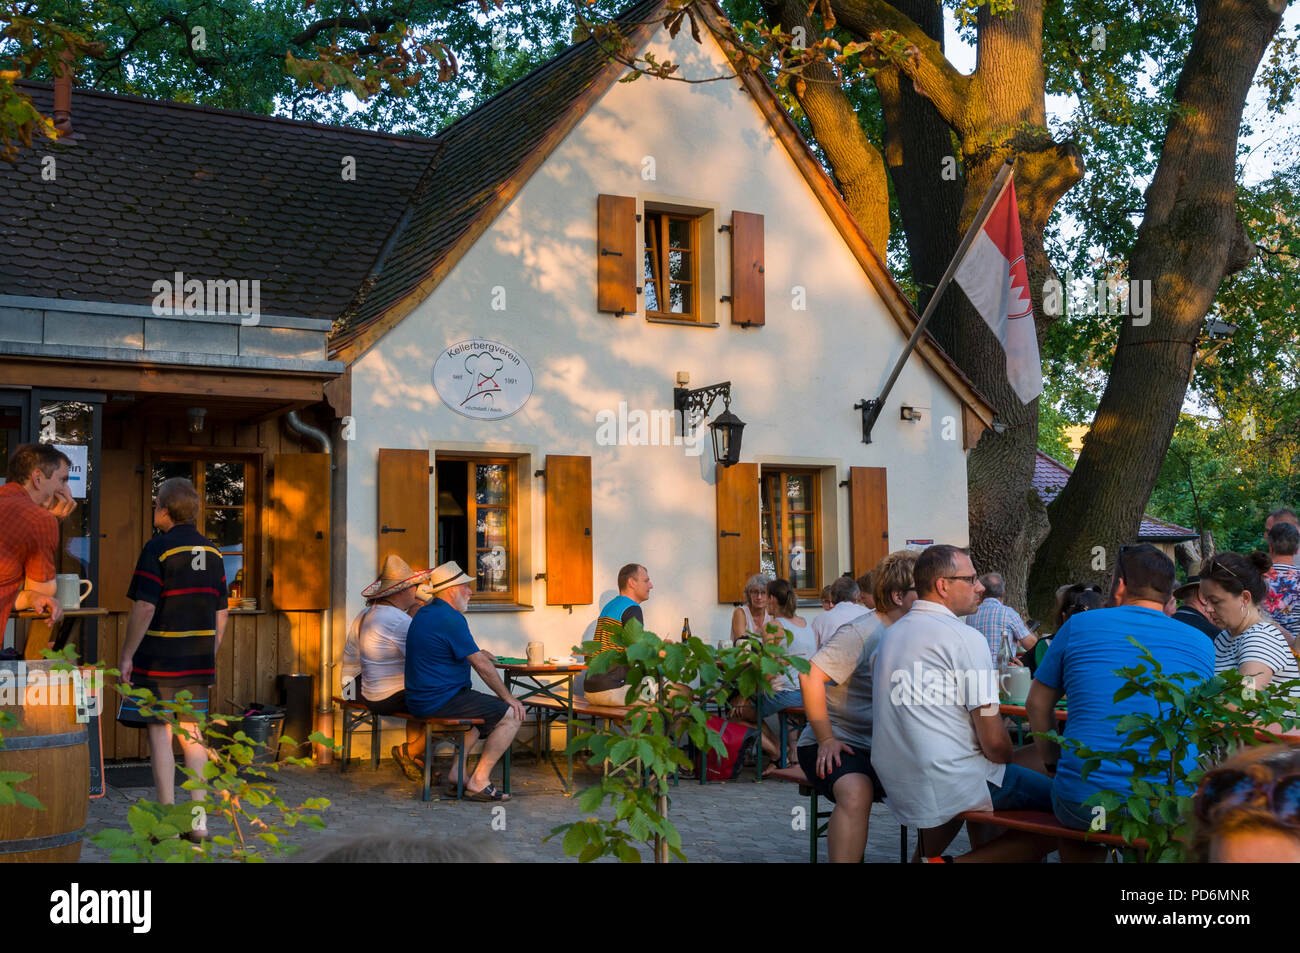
(686, 630)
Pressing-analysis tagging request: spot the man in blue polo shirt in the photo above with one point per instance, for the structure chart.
(1081, 665)
(440, 652)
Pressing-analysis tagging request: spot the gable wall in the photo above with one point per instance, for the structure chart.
(794, 381)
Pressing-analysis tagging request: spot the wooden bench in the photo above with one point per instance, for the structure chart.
(356, 713)
(1042, 822)
(820, 820)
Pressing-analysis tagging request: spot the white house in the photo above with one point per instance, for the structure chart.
(610, 239)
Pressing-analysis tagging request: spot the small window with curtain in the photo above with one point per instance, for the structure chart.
(790, 528)
(476, 522)
(672, 267)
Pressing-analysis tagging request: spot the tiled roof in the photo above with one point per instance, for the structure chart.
(1050, 476)
(479, 153)
(151, 188)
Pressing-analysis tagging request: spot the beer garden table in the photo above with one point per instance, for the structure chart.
(529, 677)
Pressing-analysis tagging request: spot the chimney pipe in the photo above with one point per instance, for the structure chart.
(63, 93)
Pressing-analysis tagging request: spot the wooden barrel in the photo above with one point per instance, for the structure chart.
(49, 744)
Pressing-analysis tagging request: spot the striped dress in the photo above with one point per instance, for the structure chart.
(182, 575)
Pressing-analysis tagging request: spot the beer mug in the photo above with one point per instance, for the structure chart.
(68, 589)
(536, 653)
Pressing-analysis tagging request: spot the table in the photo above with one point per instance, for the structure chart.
(1019, 712)
(529, 677)
(57, 633)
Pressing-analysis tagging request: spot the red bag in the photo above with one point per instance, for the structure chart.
(739, 739)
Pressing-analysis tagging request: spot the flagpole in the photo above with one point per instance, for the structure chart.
(871, 408)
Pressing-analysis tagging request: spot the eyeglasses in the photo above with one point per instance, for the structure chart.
(1221, 789)
(1215, 564)
(968, 579)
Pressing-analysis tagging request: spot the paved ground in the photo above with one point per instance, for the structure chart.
(733, 822)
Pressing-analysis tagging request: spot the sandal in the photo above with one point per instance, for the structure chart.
(412, 767)
(489, 793)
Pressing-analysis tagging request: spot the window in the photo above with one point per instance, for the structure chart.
(476, 521)
(227, 513)
(672, 266)
(790, 521)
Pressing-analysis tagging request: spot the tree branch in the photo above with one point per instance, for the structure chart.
(935, 78)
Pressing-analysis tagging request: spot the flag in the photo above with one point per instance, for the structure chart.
(995, 279)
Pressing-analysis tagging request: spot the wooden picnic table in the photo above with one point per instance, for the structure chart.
(529, 677)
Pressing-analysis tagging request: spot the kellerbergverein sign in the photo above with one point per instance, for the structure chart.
(482, 379)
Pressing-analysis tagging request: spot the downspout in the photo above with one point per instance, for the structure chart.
(325, 703)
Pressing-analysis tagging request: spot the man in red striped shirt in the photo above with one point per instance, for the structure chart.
(37, 482)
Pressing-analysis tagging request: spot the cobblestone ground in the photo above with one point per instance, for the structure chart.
(720, 822)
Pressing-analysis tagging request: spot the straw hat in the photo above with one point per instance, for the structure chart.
(394, 577)
(1185, 590)
(445, 576)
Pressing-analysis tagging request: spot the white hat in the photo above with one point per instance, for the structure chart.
(445, 576)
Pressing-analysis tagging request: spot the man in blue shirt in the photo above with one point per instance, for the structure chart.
(439, 655)
(1081, 663)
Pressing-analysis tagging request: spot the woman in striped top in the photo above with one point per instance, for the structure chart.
(1234, 587)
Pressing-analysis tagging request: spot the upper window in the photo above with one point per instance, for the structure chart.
(476, 522)
(226, 510)
(790, 528)
(672, 266)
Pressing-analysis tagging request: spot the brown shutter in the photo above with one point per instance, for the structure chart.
(747, 269)
(300, 531)
(569, 570)
(972, 428)
(119, 527)
(404, 506)
(738, 556)
(616, 256)
(868, 518)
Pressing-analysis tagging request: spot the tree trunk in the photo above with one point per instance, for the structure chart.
(1189, 240)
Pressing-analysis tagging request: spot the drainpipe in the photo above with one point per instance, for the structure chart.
(324, 682)
(63, 93)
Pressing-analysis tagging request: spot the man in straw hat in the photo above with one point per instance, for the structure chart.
(439, 655)
(374, 655)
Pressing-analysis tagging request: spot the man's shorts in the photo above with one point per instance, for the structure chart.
(392, 705)
(779, 700)
(1022, 790)
(859, 762)
(468, 703)
(129, 713)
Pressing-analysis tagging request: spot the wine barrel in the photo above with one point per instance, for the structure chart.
(49, 744)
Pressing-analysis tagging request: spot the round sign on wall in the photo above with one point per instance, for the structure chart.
(482, 379)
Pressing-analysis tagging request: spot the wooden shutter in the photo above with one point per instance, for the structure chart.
(120, 527)
(300, 531)
(616, 257)
(404, 507)
(868, 518)
(738, 517)
(569, 573)
(747, 269)
(972, 428)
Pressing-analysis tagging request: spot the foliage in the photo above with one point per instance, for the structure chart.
(689, 678)
(1197, 722)
(237, 791)
(9, 793)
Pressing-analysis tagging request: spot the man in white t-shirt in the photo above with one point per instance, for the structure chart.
(938, 744)
(374, 654)
(846, 608)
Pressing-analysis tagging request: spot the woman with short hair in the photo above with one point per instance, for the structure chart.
(752, 615)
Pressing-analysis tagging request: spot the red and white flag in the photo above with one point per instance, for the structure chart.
(995, 279)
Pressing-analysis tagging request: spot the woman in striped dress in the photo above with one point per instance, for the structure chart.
(1251, 642)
